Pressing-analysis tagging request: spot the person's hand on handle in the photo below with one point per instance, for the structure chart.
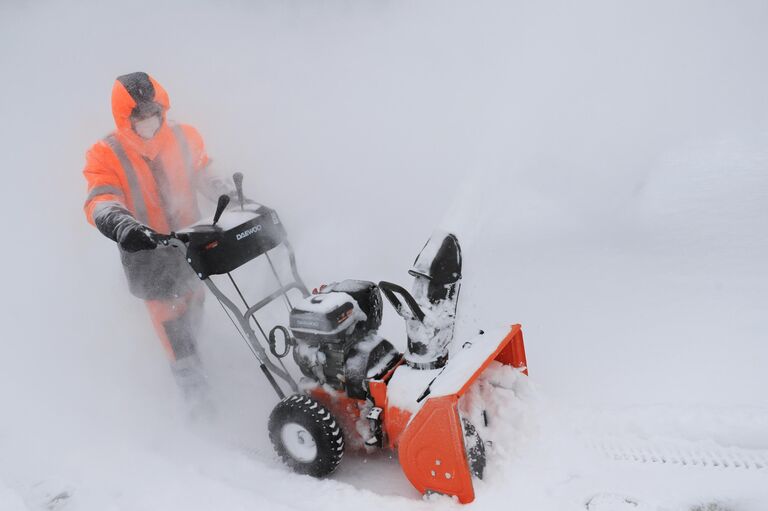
(137, 237)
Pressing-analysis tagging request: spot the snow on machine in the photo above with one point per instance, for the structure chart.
(356, 390)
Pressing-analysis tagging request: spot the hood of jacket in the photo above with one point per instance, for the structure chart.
(139, 93)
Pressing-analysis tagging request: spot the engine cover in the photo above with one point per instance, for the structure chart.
(367, 296)
(325, 318)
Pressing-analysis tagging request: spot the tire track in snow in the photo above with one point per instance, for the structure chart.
(685, 454)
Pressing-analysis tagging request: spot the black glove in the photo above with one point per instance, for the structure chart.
(139, 237)
(116, 223)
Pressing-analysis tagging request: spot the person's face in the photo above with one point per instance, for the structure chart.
(146, 126)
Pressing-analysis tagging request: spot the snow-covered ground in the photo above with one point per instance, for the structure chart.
(603, 163)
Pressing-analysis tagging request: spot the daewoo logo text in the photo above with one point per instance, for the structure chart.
(245, 234)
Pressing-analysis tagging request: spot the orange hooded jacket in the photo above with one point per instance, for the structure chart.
(118, 167)
(156, 181)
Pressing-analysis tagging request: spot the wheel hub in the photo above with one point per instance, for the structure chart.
(299, 442)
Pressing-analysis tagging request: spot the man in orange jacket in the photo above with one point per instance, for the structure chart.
(142, 179)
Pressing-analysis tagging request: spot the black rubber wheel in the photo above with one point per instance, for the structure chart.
(475, 448)
(306, 436)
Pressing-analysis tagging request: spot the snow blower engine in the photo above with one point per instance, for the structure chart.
(357, 391)
(335, 337)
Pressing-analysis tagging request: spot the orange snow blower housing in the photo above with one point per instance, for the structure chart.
(431, 449)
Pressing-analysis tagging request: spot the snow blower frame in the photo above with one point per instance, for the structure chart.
(357, 391)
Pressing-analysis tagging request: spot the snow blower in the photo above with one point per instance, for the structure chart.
(356, 390)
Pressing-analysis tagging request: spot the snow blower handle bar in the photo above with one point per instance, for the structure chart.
(391, 291)
(174, 239)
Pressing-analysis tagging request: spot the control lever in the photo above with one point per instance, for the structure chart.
(220, 207)
(237, 177)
